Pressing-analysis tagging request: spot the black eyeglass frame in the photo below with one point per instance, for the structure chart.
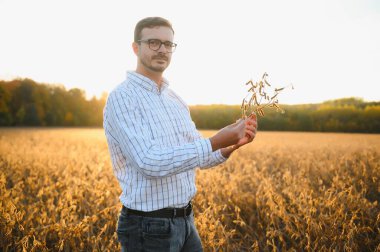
(172, 45)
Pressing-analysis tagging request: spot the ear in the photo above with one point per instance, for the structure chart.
(135, 48)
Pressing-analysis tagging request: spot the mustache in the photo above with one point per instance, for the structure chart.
(160, 57)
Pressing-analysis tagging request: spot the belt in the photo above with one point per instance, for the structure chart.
(162, 213)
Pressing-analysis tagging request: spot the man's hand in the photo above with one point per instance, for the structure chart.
(250, 132)
(249, 136)
(236, 134)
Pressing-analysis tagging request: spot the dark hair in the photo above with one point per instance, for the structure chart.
(150, 22)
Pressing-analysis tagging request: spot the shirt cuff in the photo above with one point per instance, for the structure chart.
(204, 149)
(219, 156)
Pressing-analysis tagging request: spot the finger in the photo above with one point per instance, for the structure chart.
(251, 121)
(251, 127)
(251, 134)
(250, 130)
(254, 124)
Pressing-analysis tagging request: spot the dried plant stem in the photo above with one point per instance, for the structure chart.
(251, 104)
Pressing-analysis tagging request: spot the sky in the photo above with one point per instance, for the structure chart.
(328, 49)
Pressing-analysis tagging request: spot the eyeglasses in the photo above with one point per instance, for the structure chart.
(155, 44)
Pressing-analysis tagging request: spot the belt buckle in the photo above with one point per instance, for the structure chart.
(183, 210)
(186, 208)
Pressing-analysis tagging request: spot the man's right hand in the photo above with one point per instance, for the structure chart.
(239, 133)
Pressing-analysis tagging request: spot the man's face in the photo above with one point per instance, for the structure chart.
(156, 61)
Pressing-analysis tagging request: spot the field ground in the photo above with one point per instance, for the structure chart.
(284, 192)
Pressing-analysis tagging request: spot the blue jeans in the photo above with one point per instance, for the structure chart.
(137, 233)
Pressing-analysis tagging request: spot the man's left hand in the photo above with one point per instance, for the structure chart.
(250, 131)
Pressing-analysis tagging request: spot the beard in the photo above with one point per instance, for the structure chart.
(158, 68)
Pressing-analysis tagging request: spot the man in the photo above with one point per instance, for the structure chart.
(155, 148)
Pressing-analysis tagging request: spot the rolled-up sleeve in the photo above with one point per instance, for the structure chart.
(215, 158)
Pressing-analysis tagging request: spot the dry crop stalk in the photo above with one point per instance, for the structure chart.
(260, 99)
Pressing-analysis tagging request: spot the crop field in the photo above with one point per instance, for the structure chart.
(283, 192)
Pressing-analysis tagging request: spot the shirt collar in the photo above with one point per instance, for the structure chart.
(146, 83)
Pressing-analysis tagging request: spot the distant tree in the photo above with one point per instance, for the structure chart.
(69, 119)
(20, 116)
(350, 101)
(370, 119)
(31, 117)
(55, 116)
(5, 113)
(22, 94)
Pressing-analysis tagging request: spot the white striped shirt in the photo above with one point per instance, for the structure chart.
(154, 144)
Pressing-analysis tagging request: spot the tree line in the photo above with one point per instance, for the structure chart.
(24, 102)
(343, 115)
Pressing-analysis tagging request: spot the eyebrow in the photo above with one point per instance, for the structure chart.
(157, 39)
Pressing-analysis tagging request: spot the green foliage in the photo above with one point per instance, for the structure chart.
(342, 115)
(5, 115)
(27, 103)
(24, 102)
